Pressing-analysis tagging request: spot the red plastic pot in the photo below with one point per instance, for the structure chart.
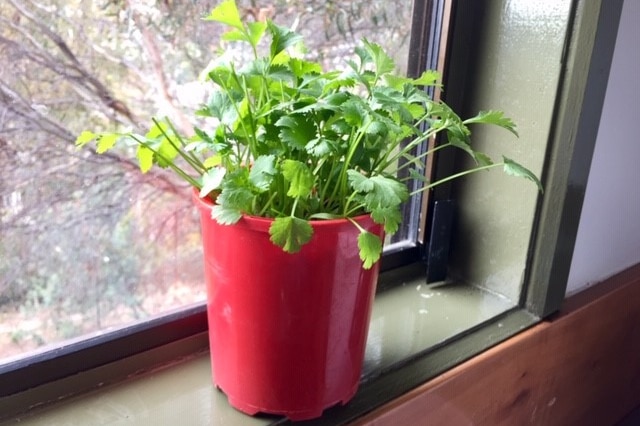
(287, 331)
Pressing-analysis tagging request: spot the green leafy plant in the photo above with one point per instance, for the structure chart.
(293, 142)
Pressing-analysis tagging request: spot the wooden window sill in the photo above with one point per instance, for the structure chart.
(579, 367)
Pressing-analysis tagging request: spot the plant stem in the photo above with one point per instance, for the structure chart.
(415, 142)
(293, 208)
(195, 165)
(193, 157)
(456, 176)
(342, 181)
(356, 224)
(267, 205)
(421, 156)
(171, 164)
(346, 212)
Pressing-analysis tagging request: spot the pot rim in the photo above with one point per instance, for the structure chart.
(208, 203)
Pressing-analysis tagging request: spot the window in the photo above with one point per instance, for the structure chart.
(93, 250)
(515, 247)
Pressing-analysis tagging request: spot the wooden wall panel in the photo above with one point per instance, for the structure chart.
(582, 367)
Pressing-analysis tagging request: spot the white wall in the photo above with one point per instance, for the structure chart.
(608, 238)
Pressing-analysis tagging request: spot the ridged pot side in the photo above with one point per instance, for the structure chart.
(287, 331)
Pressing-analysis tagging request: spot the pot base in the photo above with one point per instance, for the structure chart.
(293, 415)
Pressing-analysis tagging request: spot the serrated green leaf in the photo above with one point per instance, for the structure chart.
(417, 96)
(363, 54)
(296, 130)
(377, 127)
(252, 35)
(221, 107)
(428, 78)
(201, 139)
(387, 100)
(380, 192)
(370, 247)
(262, 172)
(145, 158)
(281, 38)
(346, 79)
(493, 117)
(84, 138)
(390, 217)
(234, 35)
(290, 233)
(300, 178)
(359, 182)
(397, 82)
(282, 60)
(256, 31)
(515, 169)
(387, 97)
(384, 63)
(336, 99)
(354, 112)
(226, 13)
(480, 158)
(236, 193)
(223, 76)
(211, 180)
(301, 68)
(463, 145)
(414, 174)
(257, 67)
(106, 141)
(329, 104)
(320, 147)
(225, 215)
(279, 72)
(457, 130)
(416, 110)
(340, 126)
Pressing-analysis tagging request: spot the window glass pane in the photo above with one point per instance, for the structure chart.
(87, 243)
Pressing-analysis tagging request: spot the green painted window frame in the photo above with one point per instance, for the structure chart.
(580, 94)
